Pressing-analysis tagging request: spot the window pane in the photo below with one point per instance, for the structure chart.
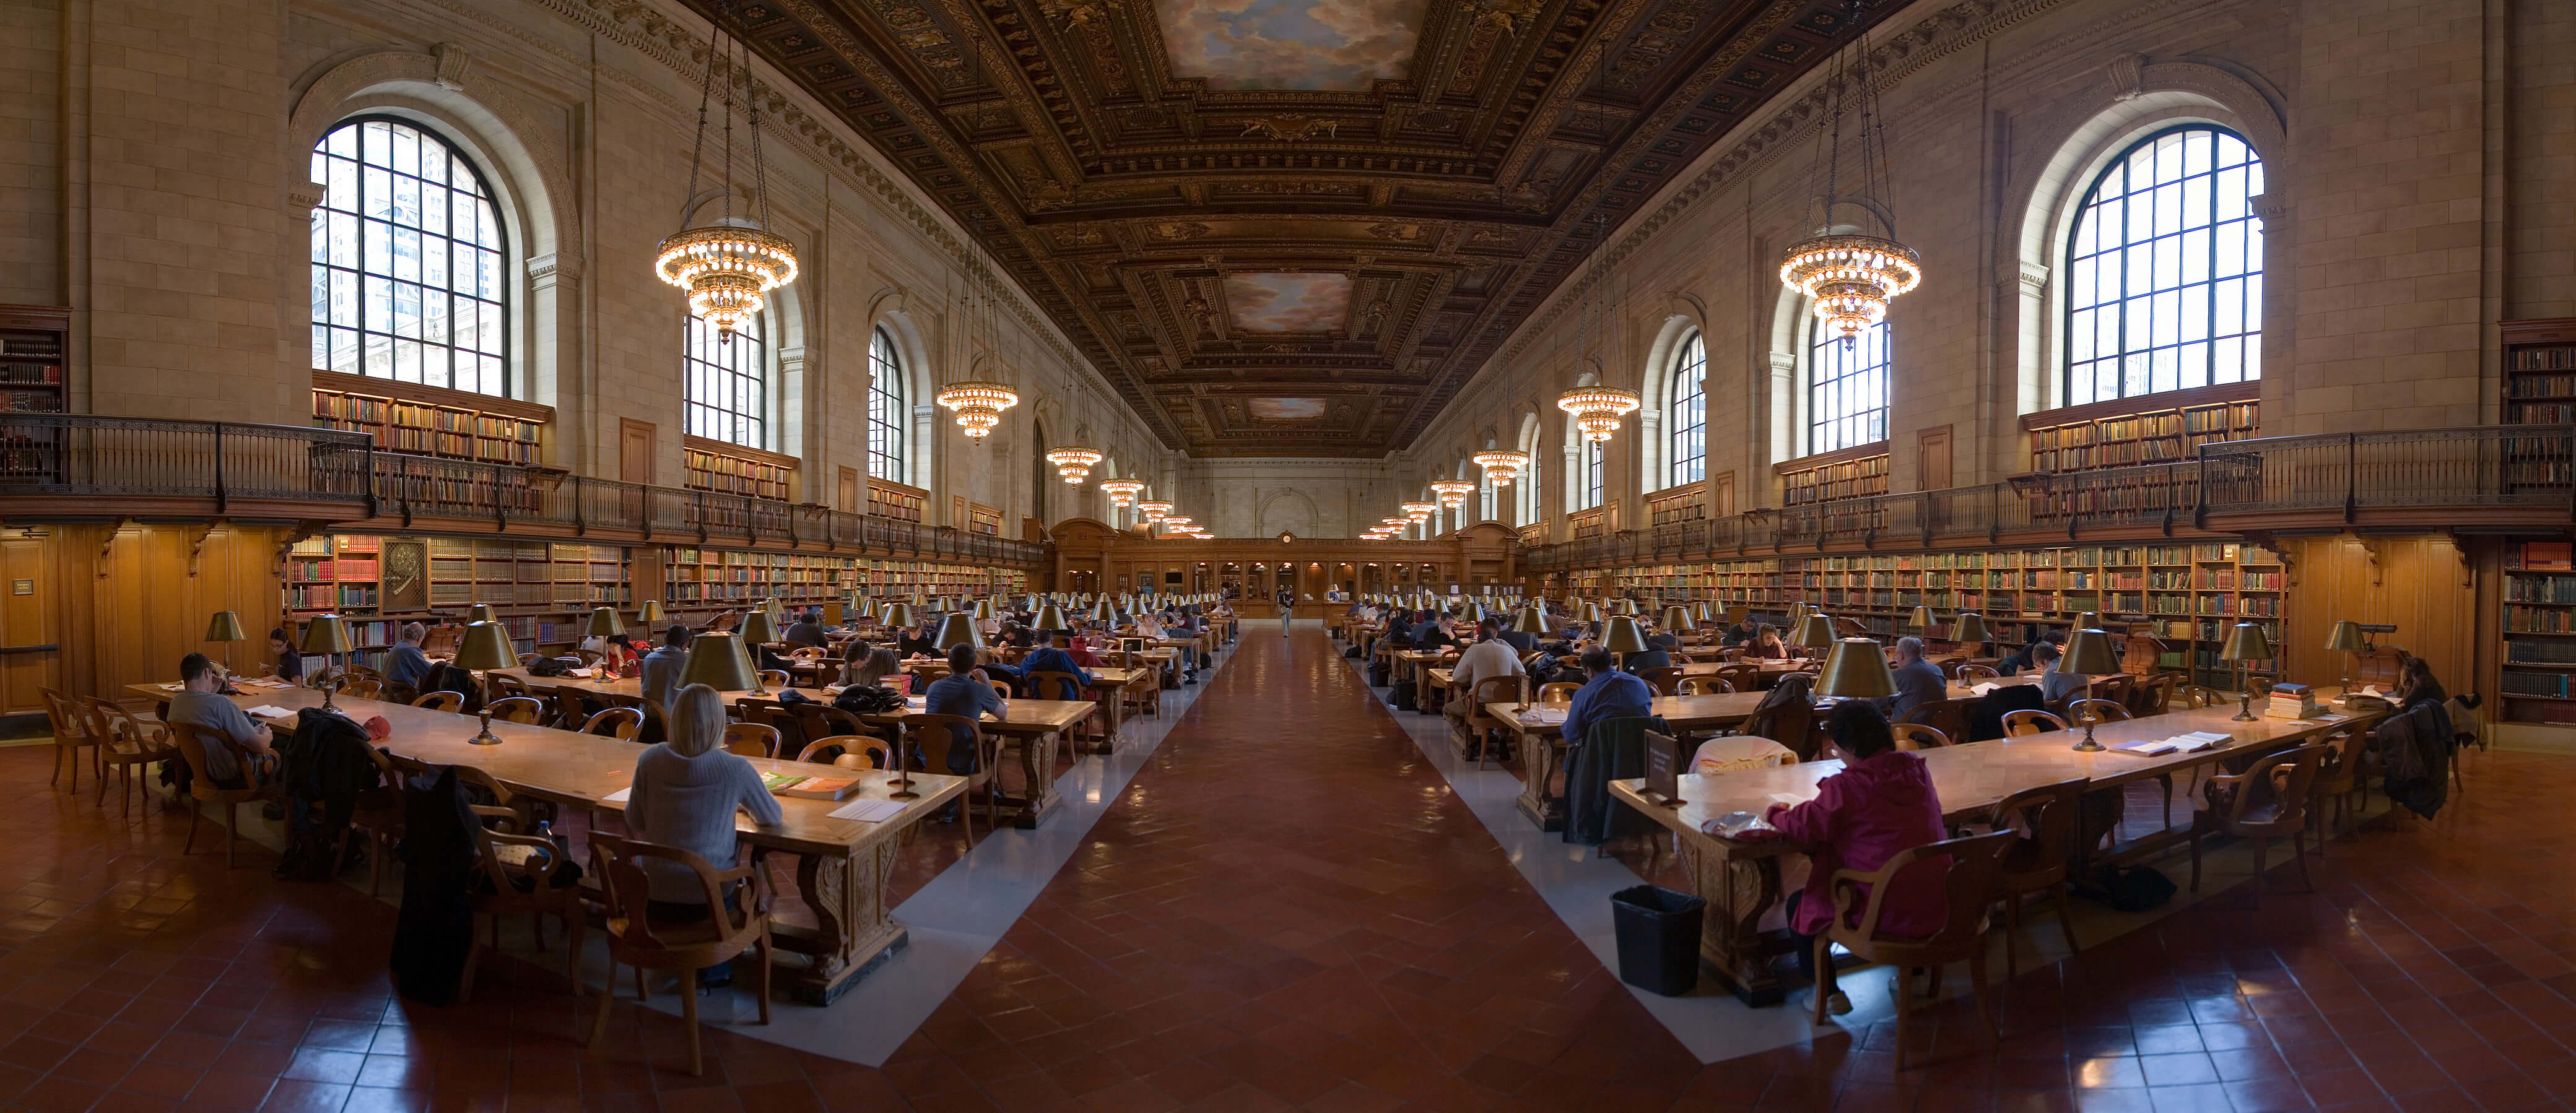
(887, 419)
(2164, 265)
(1689, 414)
(725, 383)
(392, 196)
(1847, 388)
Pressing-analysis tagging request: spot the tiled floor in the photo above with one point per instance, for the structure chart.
(1287, 909)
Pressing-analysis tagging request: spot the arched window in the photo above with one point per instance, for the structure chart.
(725, 389)
(1690, 412)
(1846, 388)
(1591, 475)
(887, 416)
(408, 261)
(2165, 269)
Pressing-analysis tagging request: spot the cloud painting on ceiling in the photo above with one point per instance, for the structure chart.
(1290, 44)
(1285, 409)
(1285, 302)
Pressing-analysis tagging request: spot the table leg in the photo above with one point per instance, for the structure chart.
(1738, 891)
(852, 932)
(1037, 768)
(1539, 759)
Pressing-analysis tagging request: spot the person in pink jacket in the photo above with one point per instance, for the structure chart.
(1880, 805)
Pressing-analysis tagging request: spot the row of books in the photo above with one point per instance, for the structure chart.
(2540, 589)
(31, 372)
(2534, 651)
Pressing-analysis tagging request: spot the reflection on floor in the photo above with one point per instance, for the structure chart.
(1288, 906)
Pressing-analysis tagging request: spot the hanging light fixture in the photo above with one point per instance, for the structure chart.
(1850, 277)
(1418, 511)
(1174, 522)
(1122, 492)
(978, 403)
(1153, 512)
(1597, 409)
(729, 266)
(1074, 464)
(1501, 467)
(1452, 493)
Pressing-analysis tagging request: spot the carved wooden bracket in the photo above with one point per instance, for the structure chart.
(2468, 567)
(2376, 551)
(107, 544)
(197, 545)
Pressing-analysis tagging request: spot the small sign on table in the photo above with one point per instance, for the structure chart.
(1664, 769)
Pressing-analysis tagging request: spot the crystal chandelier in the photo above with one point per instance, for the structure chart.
(1153, 512)
(1121, 492)
(1501, 467)
(1171, 522)
(728, 267)
(1074, 464)
(1418, 511)
(1850, 276)
(1452, 493)
(978, 405)
(1597, 409)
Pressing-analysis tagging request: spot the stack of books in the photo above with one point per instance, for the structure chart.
(2291, 701)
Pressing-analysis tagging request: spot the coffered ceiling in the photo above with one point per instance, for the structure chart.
(1292, 227)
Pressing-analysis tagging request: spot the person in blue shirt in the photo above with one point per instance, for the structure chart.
(1610, 694)
(1658, 654)
(1052, 657)
(1525, 643)
(964, 693)
(407, 665)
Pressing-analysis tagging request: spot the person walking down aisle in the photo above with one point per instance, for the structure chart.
(1287, 609)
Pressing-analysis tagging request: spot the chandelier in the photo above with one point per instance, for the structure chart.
(1074, 464)
(1174, 523)
(728, 266)
(1418, 511)
(979, 405)
(1121, 492)
(1501, 467)
(1597, 409)
(1452, 492)
(1849, 276)
(1153, 511)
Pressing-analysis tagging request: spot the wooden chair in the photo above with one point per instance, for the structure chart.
(838, 749)
(778, 717)
(775, 678)
(376, 817)
(621, 723)
(822, 720)
(2339, 776)
(1704, 686)
(1561, 691)
(500, 685)
(1743, 677)
(1479, 727)
(362, 688)
(192, 742)
(1949, 716)
(517, 709)
(2027, 721)
(933, 746)
(1739, 751)
(441, 701)
(519, 872)
(2038, 861)
(2152, 695)
(570, 706)
(635, 940)
(1916, 736)
(1969, 883)
(125, 744)
(2266, 801)
(2097, 710)
(1665, 681)
(70, 736)
(751, 739)
(1977, 674)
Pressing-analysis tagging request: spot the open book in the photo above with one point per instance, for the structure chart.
(2191, 743)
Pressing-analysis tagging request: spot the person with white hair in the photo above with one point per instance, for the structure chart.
(687, 788)
(1918, 681)
(406, 665)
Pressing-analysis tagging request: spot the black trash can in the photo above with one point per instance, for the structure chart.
(1658, 938)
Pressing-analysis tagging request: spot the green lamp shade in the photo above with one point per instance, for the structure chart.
(1969, 628)
(1104, 611)
(1856, 668)
(480, 612)
(1621, 635)
(225, 627)
(603, 623)
(1923, 619)
(1815, 631)
(959, 629)
(1051, 617)
(651, 613)
(1531, 621)
(2090, 653)
(2245, 642)
(716, 659)
(1675, 618)
(486, 646)
(759, 628)
(897, 615)
(2345, 639)
(326, 633)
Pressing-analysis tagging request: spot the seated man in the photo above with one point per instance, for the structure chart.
(965, 693)
(806, 630)
(2056, 689)
(1609, 694)
(1918, 681)
(1658, 654)
(406, 665)
(662, 666)
(240, 746)
(1057, 656)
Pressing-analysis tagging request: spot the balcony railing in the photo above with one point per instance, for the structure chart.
(335, 475)
(2329, 477)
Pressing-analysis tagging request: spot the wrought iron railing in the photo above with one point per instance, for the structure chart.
(227, 463)
(2346, 474)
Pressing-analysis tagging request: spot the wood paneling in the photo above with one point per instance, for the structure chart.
(845, 496)
(125, 602)
(2419, 584)
(635, 450)
(1932, 459)
(1721, 495)
(29, 618)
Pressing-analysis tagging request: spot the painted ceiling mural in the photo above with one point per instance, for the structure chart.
(1240, 210)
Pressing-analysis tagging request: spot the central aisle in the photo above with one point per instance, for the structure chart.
(1287, 903)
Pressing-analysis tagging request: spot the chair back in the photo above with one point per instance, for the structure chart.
(61, 714)
(362, 687)
(1053, 685)
(192, 742)
(619, 862)
(1495, 689)
(774, 678)
(1792, 724)
(2153, 695)
(2029, 721)
(751, 739)
(2271, 796)
(1561, 691)
(2340, 771)
(571, 708)
(836, 749)
(822, 720)
(1916, 736)
(517, 709)
(2097, 710)
(127, 732)
(1949, 716)
(1970, 880)
(933, 736)
(501, 685)
(1704, 686)
(440, 701)
(1976, 674)
(1665, 681)
(1741, 677)
(621, 723)
(2046, 816)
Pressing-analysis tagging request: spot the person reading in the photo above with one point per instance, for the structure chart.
(1918, 681)
(686, 790)
(1609, 694)
(1879, 806)
(964, 693)
(662, 666)
(240, 746)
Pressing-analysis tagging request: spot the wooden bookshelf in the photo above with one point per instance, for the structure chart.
(983, 519)
(543, 592)
(1534, 534)
(2539, 389)
(2155, 429)
(711, 465)
(431, 421)
(1584, 525)
(34, 350)
(1856, 472)
(2539, 625)
(888, 499)
(1673, 506)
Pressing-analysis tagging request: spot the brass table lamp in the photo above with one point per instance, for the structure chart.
(2089, 653)
(1675, 619)
(1621, 637)
(1815, 631)
(486, 647)
(1923, 620)
(2346, 638)
(1530, 621)
(897, 616)
(603, 625)
(2245, 642)
(327, 635)
(1968, 629)
(717, 660)
(226, 627)
(758, 628)
(1051, 617)
(959, 629)
(651, 614)
(1856, 668)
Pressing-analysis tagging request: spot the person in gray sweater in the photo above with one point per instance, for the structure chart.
(686, 791)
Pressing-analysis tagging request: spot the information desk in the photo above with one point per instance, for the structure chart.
(1741, 880)
(842, 865)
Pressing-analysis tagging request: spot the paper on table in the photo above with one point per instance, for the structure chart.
(868, 811)
(267, 711)
(619, 796)
(1986, 687)
(1784, 799)
(2147, 747)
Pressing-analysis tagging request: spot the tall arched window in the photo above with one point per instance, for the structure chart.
(1846, 388)
(2165, 269)
(725, 386)
(887, 417)
(1690, 413)
(1591, 475)
(408, 261)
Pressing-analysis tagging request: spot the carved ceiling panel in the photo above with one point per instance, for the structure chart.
(1292, 227)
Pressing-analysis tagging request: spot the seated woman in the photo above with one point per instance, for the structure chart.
(619, 654)
(1879, 806)
(1768, 646)
(687, 788)
(290, 663)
